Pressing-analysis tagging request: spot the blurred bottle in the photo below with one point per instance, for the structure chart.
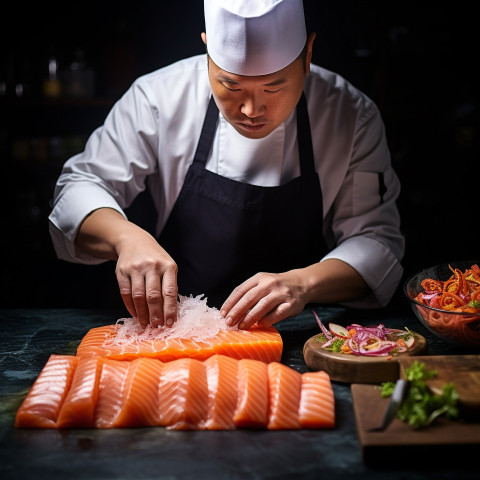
(51, 85)
(79, 77)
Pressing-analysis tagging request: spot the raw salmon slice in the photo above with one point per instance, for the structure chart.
(42, 404)
(284, 386)
(183, 394)
(252, 406)
(111, 392)
(78, 409)
(317, 401)
(141, 399)
(222, 392)
(258, 344)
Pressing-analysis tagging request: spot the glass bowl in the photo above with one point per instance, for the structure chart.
(459, 328)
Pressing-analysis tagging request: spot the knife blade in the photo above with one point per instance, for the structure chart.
(394, 404)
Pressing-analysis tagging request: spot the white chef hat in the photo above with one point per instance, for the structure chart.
(254, 37)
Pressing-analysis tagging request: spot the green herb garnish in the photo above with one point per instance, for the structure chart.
(336, 345)
(387, 389)
(421, 407)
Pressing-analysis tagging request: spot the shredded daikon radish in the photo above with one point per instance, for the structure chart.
(195, 321)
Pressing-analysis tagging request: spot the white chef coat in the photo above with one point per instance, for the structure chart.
(150, 137)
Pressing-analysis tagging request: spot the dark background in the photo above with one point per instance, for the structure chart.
(417, 61)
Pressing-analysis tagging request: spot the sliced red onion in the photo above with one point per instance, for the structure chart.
(377, 330)
(328, 343)
(353, 346)
(322, 327)
(364, 337)
(355, 326)
(384, 348)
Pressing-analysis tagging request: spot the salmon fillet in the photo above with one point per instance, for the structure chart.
(263, 344)
(252, 406)
(219, 393)
(141, 404)
(285, 385)
(111, 393)
(78, 409)
(42, 405)
(317, 401)
(222, 392)
(183, 395)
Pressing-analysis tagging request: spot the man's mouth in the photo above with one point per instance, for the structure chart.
(252, 127)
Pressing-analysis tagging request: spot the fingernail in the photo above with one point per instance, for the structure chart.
(229, 321)
(169, 322)
(223, 313)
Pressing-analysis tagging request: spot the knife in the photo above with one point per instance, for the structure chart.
(396, 400)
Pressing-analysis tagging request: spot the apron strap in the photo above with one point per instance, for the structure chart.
(208, 133)
(305, 148)
(304, 136)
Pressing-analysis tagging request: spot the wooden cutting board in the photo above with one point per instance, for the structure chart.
(461, 370)
(444, 439)
(355, 368)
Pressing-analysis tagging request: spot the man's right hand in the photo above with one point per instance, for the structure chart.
(146, 274)
(147, 277)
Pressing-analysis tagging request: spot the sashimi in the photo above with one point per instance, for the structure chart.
(252, 405)
(222, 392)
(183, 394)
(284, 386)
(78, 409)
(317, 401)
(141, 400)
(42, 405)
(111, 392)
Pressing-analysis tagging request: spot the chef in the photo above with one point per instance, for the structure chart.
(271, 177)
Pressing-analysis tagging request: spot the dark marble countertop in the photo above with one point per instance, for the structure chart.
(29, 337)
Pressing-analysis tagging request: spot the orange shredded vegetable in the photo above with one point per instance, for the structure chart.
(460, 293)
(459, 296)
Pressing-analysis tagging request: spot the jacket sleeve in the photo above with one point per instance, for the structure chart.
(364, 219)
(110, 172)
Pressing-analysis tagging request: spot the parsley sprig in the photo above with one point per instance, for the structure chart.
(421, 407)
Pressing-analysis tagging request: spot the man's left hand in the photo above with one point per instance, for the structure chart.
(265, 298)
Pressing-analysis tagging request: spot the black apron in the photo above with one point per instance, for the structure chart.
(221, 231)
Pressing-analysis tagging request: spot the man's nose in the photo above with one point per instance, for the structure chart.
(253, 106)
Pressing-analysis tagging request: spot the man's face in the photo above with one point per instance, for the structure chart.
(256, 105)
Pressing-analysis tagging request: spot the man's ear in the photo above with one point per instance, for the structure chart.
(204, 37)
(308, 59)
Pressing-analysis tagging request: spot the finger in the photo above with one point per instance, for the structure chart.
(139, 299)
(237, 294)
(170, 296)
(281, 312)
(262, 308)
(154, 299)
(125, 288)
(243, 304)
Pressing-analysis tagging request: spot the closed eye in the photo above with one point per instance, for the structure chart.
(276, 85)
(226, 85)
